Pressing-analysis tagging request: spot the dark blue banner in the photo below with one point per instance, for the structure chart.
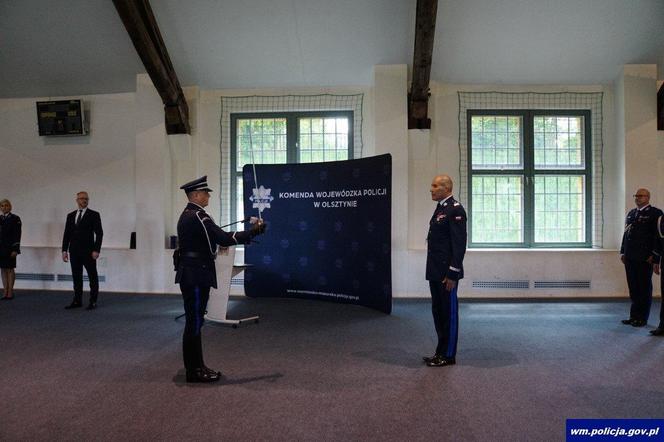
(328, 231)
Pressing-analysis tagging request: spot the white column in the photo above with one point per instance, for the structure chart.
(391, 136)
(153, 271)
(637, 132)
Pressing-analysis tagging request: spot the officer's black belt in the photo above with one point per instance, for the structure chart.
(194, 255)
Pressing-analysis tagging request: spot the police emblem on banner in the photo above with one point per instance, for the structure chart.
(261, 198)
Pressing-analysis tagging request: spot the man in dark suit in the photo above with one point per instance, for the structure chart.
(446, 247)
(638, 252)
(198, 238)
(81, 244)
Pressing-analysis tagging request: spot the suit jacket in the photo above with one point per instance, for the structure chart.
(84, 238)
(10, 234)
(446, 241)
(198, 238)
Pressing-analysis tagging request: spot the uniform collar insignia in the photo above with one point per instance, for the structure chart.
(445, 201)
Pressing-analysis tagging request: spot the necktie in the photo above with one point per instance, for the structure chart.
(78, 217)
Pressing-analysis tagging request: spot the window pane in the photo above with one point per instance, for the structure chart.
(328, 140)
(558, 142)
(260, 140)
(342, 125)
(560, 208)
(497, 209)
(342, 142)
(496, 142)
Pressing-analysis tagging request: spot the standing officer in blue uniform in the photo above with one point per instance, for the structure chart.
(446, 247)
(659, 331)
(638, 252)
(198, 238)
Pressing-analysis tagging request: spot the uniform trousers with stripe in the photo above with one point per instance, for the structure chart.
(639, 282)
(195, 303)
(445, 309)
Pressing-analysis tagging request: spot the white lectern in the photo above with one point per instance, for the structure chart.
(218, 304)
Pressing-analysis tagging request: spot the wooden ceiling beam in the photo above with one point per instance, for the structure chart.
(144, 32)
(660, 108)
(418, 97)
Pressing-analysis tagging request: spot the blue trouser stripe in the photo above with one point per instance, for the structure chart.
(454, 319)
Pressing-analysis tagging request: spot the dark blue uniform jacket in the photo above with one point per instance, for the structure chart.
(640, 240)
(446, 241)
(198, 238)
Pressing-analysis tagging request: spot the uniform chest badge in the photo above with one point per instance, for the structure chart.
(440, 217)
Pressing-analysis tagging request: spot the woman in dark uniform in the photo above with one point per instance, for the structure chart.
(10, 246)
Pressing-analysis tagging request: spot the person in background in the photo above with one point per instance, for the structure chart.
(81, 245)
(10, 247)
(638, 252)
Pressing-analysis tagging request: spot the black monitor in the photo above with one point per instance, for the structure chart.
(64, 117)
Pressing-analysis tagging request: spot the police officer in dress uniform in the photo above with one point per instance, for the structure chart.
(446, 247)
(638, 252)
(198, 238)
(659, 331)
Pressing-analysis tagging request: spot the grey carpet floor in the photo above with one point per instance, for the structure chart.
(320, 371)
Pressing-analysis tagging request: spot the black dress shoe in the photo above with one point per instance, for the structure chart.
(627, 321)
(211, 371)
(439, 361)
(638, 323)
(200, 375)
(7, 298)
(428, 359)
(659, 331)
(91, 306)
(73, 305)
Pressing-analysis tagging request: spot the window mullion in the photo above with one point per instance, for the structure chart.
(292, 136)
(528, 180)
(588, 172)
(233, 166)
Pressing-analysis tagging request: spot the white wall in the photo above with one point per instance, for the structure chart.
(440, 154)
(41, 175)
(639, 85)
(133, 174)
(124, 164)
